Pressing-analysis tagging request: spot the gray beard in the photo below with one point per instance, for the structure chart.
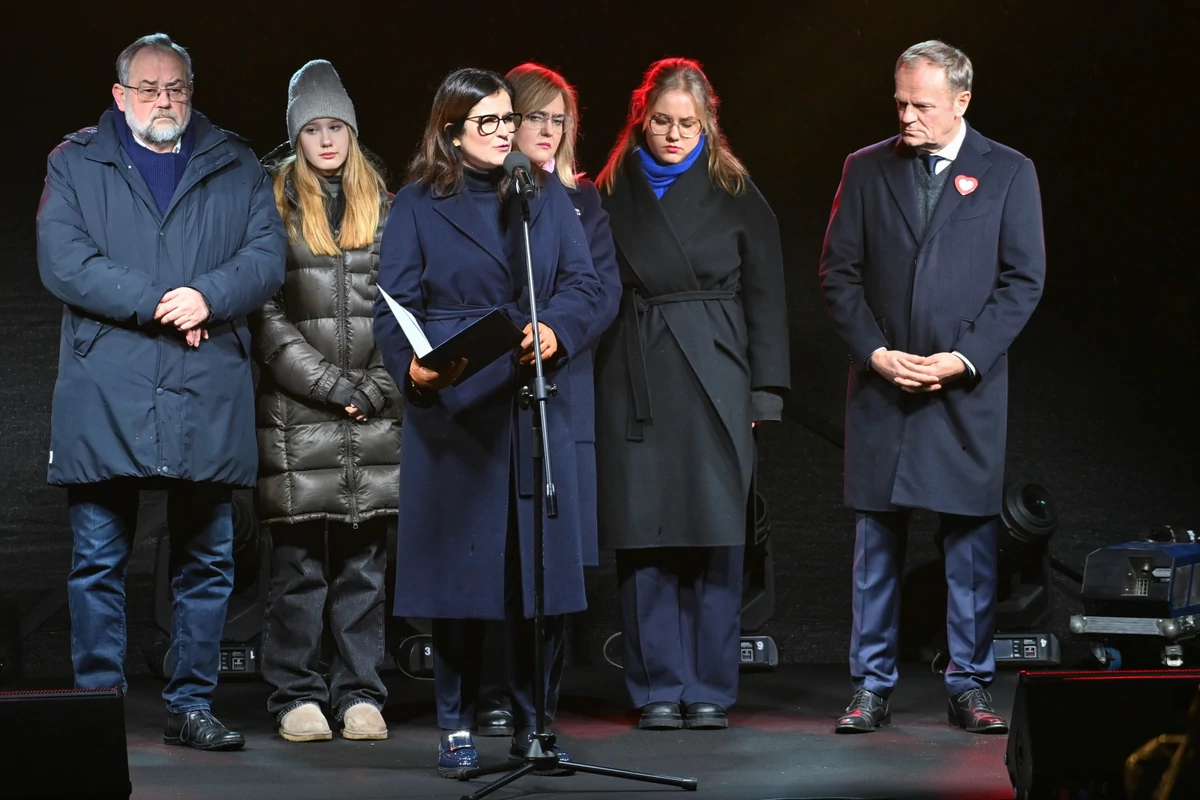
(156, 134)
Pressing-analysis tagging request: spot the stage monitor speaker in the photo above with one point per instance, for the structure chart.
(1072, 732)
(64, 744)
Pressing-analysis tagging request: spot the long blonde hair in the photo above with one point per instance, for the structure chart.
(306, 221)
(725, 171)
(536, 87)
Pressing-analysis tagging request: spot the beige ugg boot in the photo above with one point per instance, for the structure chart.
(363, 721)
(305, 723)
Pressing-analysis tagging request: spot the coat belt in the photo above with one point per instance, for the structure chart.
(458, 311)
(635, 306)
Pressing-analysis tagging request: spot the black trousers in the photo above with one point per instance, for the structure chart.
(459, 655)
(321, 569)
(681, 611)
(493, 691)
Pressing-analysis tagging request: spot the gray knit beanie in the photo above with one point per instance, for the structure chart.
(314, 92)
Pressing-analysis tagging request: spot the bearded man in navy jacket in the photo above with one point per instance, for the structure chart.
(933, 262)
(158, 232)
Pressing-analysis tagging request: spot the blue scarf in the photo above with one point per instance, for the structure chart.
(162, 171)
(661, 176)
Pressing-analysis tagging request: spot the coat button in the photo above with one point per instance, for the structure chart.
(158, 390)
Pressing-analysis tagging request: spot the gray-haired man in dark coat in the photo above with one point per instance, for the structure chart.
(159, 233)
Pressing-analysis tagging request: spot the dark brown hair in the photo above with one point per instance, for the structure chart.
(437, 162)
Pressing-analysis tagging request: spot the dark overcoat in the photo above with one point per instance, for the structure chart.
(586, 199)
(466, 456)
(132, 399)
(315, 461)
(702, 323)
(967, 282)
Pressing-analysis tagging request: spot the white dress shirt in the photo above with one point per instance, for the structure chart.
(948, 154)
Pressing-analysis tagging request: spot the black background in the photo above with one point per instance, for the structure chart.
(1102, 400)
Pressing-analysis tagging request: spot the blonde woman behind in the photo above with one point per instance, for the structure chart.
(550, 124)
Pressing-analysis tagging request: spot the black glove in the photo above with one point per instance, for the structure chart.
(363, 403)
(342, 393)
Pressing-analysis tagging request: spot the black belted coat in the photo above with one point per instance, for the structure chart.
(702, 323)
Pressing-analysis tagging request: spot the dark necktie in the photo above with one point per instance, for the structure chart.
(930, 161)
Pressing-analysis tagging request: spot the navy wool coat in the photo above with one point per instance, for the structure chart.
(132, 399)
(968, 282)
(586, 199)
(465, 458)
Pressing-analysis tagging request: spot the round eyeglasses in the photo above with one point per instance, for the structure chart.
(689, 127)
(490, 123)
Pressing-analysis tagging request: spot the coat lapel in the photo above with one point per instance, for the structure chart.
(459, 210)
(645, 236)
(514, 244)
(686, 202)
(897, 171)
(970, 162)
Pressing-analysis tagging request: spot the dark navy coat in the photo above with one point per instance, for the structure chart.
(967, 283)
(586, 199)
(132, 399)
(462, 456)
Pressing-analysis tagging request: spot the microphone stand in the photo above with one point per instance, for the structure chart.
(541, 755)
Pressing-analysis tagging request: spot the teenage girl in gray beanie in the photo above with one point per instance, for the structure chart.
(328, 417)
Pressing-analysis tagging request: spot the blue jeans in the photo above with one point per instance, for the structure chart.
(200, 523)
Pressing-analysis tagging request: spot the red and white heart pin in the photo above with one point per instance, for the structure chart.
(966, 184)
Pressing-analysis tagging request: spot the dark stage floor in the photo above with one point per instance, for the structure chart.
(780, 745)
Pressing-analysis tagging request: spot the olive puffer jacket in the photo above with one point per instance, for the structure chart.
(315, 347)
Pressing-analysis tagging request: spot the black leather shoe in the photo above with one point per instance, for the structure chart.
(704, 716)
(496, 722)
(866, 712)
(973, 711)
(201, 730)
(661, 717)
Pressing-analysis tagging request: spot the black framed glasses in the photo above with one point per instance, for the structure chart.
(149, 94)
(543, 121)
(689, 127)
(490, 123)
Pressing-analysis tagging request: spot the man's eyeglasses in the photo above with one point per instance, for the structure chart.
(490, 123)
(149, 94)
(540, 120)
(689, 127)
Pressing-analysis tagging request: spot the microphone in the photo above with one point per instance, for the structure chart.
(517, 166)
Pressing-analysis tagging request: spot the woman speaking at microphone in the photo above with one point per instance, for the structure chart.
(453, 251)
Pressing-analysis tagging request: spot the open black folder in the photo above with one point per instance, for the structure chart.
(482, 342)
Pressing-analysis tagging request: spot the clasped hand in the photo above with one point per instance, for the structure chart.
(186, 310)
(917, 374)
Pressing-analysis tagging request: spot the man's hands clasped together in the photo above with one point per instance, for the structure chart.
(186, 309)
(917, 374)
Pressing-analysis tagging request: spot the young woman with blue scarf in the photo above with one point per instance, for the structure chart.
(697, 356)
